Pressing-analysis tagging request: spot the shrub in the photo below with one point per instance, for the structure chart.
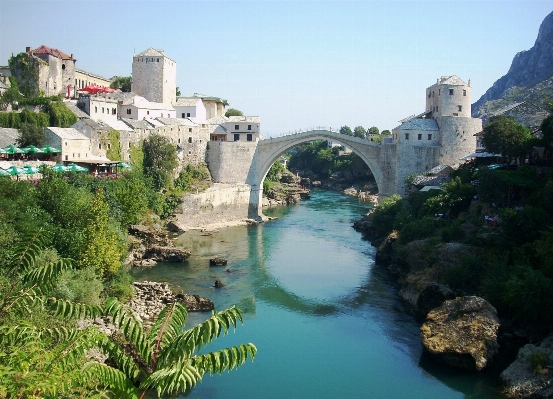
(538, 361)
(418, 229)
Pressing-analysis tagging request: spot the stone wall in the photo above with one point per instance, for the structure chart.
(414, 159)
(230, 162)
(457, 138)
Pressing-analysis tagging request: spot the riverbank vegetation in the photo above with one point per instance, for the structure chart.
(499, 220)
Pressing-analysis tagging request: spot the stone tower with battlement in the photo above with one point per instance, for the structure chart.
(154, 76)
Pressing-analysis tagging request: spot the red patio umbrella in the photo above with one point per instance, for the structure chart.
(94, 88)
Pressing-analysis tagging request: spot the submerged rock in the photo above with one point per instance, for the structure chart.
(218, 261)
(527, 377)
(433, 296)
(462, 333)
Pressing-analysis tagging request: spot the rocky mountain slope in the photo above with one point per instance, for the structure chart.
(530, 77)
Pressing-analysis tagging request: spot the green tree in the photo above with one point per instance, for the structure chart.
(30, 134)
(386, 133)
(11, 96)
(275, 171)
(233, 112)
(160, 160)
(547, 130)
(374, 130)
(505, 136)
(122, 83)
(177, 92)
(346, 130)
(360, 132)
(166, 357)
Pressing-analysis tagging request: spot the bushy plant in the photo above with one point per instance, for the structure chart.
(538, 361)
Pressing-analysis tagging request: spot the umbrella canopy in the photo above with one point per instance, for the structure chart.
(15, 171)
(60, 168)
(94, 88)
(3, 151)
(11, 149)
(51, 150)
(76, 168)
(124, 165)
(31, 149)
(30, 170)
(4, 172)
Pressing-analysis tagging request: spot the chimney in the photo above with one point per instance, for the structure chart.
(71, 55)
(27, 49)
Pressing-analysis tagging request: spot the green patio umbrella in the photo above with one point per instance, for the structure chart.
(30, 170)
(124, 165)
(51, 150)
(15, 171)
(4, 172)
(3, 151)
(76, 168)
(60, 168)
(31, 149)
(11, 149)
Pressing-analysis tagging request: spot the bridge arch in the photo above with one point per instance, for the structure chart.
(269, 150)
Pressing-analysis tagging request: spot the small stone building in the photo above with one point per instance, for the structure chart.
(75, 146)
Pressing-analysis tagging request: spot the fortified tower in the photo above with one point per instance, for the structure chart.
(449, 103)
(154, 76)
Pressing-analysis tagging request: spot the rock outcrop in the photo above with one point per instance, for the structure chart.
(218, 261)
(462, 333)
(433, 296)
(525, 378)
(151, 244)
(528, 69)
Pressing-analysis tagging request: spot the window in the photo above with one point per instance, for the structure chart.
(249, 137)
(406, 136)
(147, 112)
(63, 67)
(450, 92)
(162, 117)
(429, 137)
(113, 111)
(95, 110)
(464, 93)
(67, 157)
(455, 114)
(66, 143)
(249, 127)
(439, 92)
(129, 145)
(432, 93)
(183, 115)
(460, 108)
(188, 114)
(189, 139)
(158, 60)
(236, 127)
(236, 137)
(189, 130)
(429, 94)
(128, 111)
(420, 136)
(109, 146)
(100, 146)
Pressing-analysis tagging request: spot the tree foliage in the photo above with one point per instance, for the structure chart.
(122, 83)
(30, 134)
(505, 136)
(346, 130)
(360, 132)
(374, 130)
(233, 112)
(160, 160)
(547, 130)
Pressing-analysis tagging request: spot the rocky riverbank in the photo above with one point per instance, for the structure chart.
(459, 330)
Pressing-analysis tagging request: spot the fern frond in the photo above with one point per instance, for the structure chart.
(27, 251)
(130, 325)
(176, 378)
(167, 327)
(186, 343)
(67, 309)
(46, 275)
(116, 380)
(124, 361)
(225, 359)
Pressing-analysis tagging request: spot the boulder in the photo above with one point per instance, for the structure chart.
(144, 263)
(195, 303)
(524, 378)
(218, 284)
(288, 177)
(384, 253)
(432, 297)
(350, 191)
(462, 333)
(167, 254)
(218, 261)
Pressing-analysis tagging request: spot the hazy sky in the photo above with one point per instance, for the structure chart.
(296, 64)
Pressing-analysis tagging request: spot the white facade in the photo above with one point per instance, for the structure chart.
(190, 107)
(450, 96)
(242, 128)
(74, 145)
(154, 76)
(99, 108)
(138, 107)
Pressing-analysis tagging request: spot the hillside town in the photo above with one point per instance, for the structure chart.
(151, 107)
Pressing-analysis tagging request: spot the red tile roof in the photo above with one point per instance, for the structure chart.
(53, 52)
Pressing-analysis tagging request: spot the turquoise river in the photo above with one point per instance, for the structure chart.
(326, 321)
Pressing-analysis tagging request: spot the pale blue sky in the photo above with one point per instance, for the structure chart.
(296, 64)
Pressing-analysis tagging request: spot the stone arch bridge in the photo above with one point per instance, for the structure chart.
(245, 164)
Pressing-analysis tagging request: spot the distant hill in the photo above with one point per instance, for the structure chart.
(530, 77)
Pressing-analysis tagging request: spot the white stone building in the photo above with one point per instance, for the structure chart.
(75, 146)
(138, 107)
(190, 107)
(446, 124)
(100, 108)
(242, 128)
(154, 76)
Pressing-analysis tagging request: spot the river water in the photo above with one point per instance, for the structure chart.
(326, 322)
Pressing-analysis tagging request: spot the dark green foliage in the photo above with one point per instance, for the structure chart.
(374, 130)
(418, 229)
(386, 133)
(547, 130)
(30, 134)
(275, 172)
(189, 175)
(11, 96)
(233, 112)
(505, 136)
(160, 159)
(346, 130)
(360, 132)
(16, 119)
(60, 115)
(122, 82)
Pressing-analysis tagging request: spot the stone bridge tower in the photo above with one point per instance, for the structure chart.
(154, 76)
